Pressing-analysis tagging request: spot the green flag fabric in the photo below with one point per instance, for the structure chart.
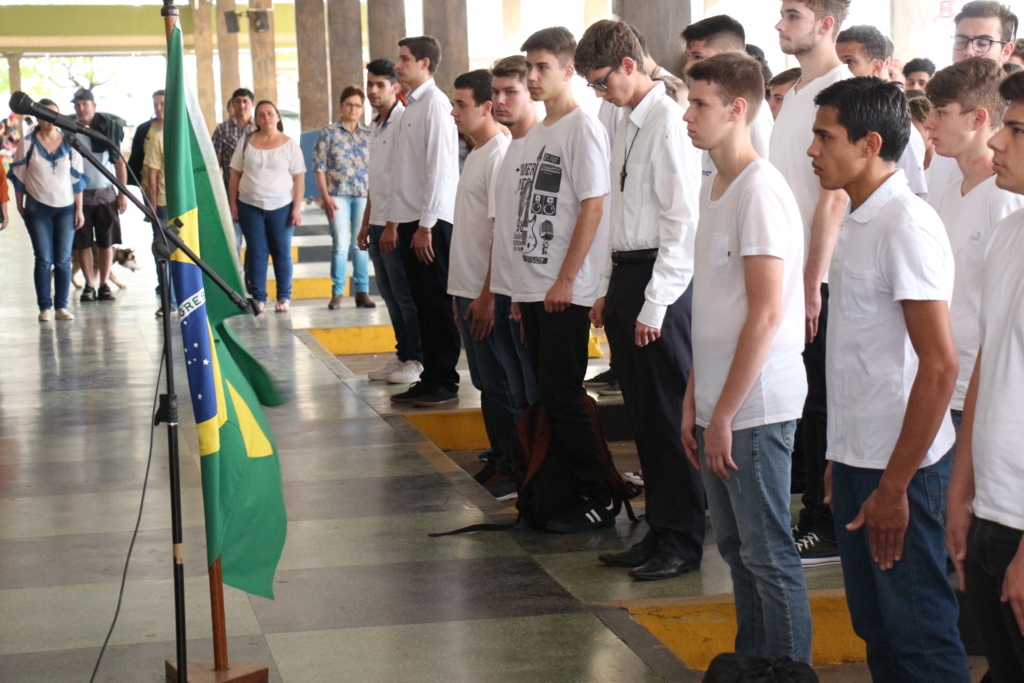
(242, 496)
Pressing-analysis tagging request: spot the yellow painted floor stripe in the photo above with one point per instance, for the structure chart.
(697, 629)
(452, 430)
(362, 339)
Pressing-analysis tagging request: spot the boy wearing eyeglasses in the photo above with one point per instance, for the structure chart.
(984, 28)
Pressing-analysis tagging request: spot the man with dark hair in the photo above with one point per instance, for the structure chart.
(918, 72)
(382, 91)
(644, 299)
(985, 524)
(558, 247)
(425, 176)
(781, 84)
(866, 52)
(227, 134)
(102, 203)
(716, 35)
(986, 28)
(740, 410)
(469, 270)
(808, 30)
(967, 110)
(889, 430)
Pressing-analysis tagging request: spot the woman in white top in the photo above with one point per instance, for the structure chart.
(265, 192)
(48, 183)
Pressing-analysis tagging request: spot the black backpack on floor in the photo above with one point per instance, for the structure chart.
(736, 668)
(543, 485)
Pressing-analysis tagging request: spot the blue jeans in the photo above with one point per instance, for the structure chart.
(489, 368)
(52, 231)
(513, 352)
(348, 218)
(394, 289)
(751, 519)
(908, 614)
(267, 234)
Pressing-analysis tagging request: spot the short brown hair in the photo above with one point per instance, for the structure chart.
(737, 75)
(511, 67)
(351, 90)
(920, 107)
(1012, 88)
(557, 40)
(785, 77)
(984, 9)
(424, 47)
(973, 84)
(837, 9)
(605, 44)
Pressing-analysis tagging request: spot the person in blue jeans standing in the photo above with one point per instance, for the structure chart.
(341, 161)
(265, 193)
(891, 367)
(48, 184)
(388, 268)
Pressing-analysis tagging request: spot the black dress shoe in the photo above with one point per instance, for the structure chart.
(634, 557)
(661, 566)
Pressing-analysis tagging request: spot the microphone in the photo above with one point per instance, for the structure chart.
(24, 105)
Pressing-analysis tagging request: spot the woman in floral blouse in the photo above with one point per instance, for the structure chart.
(341, 161)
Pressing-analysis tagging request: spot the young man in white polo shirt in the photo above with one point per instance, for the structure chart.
(469, 268)
(967, 110)
(891, 370)
(558, 246)
(985, 524)
(748, 384)
(808, 31)
(423, 205)
(644, 293)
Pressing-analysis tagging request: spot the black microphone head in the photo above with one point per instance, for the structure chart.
(21, 103)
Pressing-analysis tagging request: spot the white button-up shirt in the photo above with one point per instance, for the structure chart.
(659, 207)
(383, 142)
(426, 166)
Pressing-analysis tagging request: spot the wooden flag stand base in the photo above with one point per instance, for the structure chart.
(219, 671)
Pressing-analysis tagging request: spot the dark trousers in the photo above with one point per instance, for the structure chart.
(653, 380)
(558, 344)
(990, 549)
(429, 286)
(815, 516)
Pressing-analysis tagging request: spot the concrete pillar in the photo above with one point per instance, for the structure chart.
(386, 24)
(202, 41)
(446, 20)
(660, 21)
(314, 83)
(345, 29)
(14, 75)
(910, 22)
(227, 55)
(264, 61)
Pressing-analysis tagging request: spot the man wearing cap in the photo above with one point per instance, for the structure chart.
(101, 201)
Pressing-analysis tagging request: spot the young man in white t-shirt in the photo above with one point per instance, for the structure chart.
(808, 30)
(712, 36)
(748, 384)
(558, 245)
(891, 369)
(967, 110)
(469, 269)
(644, 299)
(985, 523)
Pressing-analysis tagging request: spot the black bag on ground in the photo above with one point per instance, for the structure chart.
(542, 484)
(736, 668)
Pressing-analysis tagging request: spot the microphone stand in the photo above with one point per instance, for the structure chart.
(165, 241)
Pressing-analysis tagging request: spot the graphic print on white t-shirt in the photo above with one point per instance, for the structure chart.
(539, 184)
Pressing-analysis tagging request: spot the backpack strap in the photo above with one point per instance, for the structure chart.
(480, 527)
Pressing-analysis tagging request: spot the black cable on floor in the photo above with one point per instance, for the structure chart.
(138, 521)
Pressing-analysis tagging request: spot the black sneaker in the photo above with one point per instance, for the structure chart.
(436, 398)
(600, 380)
(502, 486)
(816, 551)
(584, 515)
(415, 390)
(105, 294)
(798, 533)
(88, 294)
(611, 389)
(484, 475)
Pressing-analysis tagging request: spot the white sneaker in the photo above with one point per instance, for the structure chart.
(45, 316)
(407, 373)
(381, 374)
(635, 478)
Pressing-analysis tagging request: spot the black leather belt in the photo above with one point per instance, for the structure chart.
(629, 258)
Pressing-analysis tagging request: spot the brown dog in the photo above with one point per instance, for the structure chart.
(122, 257)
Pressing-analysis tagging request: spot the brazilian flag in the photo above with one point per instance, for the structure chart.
(242, 496)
